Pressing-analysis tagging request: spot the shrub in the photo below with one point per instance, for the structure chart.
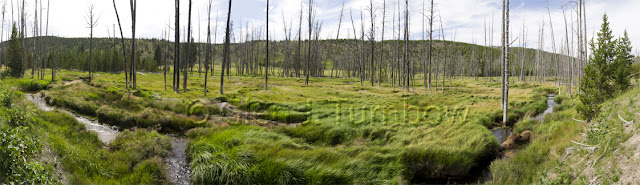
(6, 98)
(17, 147)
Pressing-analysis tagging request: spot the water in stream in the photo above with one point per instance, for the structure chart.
(177, 163)
(484, 174)
(105, 134)
(177, 166)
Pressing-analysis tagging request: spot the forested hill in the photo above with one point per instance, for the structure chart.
(351, 56)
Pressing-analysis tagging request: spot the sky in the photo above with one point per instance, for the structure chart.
(462, 20)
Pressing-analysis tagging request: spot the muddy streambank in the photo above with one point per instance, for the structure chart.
(178, 170)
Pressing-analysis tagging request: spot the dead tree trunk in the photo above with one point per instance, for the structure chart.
(226, 49)
(133, 42)
(384, 13)
(92, 22)
(505, 60)
(176, 55)
(207, 57)
(188, 54)
(124, 51)
(266, 69)
(306, 82)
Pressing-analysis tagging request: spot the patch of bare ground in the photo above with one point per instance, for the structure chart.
(629, 161)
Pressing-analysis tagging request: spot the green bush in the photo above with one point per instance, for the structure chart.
(6, 98)
(17, 148)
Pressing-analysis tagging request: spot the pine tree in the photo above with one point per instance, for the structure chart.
(595, 85)
(621, 67)
(15, 54)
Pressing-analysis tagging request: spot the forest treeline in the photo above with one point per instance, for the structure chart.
(331, 58)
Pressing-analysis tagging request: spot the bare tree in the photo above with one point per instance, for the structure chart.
(188, 54)
(208, 48)
(133, 41)
(124, 51)
(266, 69)
(431, 18)
(334, 62)
(372, 36)
(505, 60)
(92, 22)
(226, 49)
(384, 14)
(176, 56)
(306, 82)
(35, 43)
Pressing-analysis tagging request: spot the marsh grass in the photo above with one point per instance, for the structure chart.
(348, 134)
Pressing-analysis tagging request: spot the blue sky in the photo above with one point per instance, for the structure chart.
(463, 20)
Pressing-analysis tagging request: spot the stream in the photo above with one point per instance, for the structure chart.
(177, 166)
(482, 174)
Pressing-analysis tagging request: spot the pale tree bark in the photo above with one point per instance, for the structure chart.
(334, 62)
(431, 18)
(92, 22)
(208, 48)
(266, 69)
(505, 60)
(372, 39)
(4, 10)
(35, 43)
(124, 51)
(384, 14)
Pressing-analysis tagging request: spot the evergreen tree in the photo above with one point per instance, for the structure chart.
(15, 54)
(621, 67)
(157, 56)
(595, 85)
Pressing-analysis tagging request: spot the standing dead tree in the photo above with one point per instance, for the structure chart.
(124, 51)
(188, 54)
(431, 19)
(133, 4)
(92, 22)
(384, 13)
(505, 60)
(176, 55)
(372, 40)
(266, 69)
(334, 62)
(226, 49)
(208, 48)
(307, 73)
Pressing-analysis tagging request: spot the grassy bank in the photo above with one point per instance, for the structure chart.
(552, 157)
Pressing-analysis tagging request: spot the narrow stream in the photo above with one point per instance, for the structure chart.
(177, 165)
(483, 174)
(105, 134)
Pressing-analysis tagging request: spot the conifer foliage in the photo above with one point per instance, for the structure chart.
(607, 71)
